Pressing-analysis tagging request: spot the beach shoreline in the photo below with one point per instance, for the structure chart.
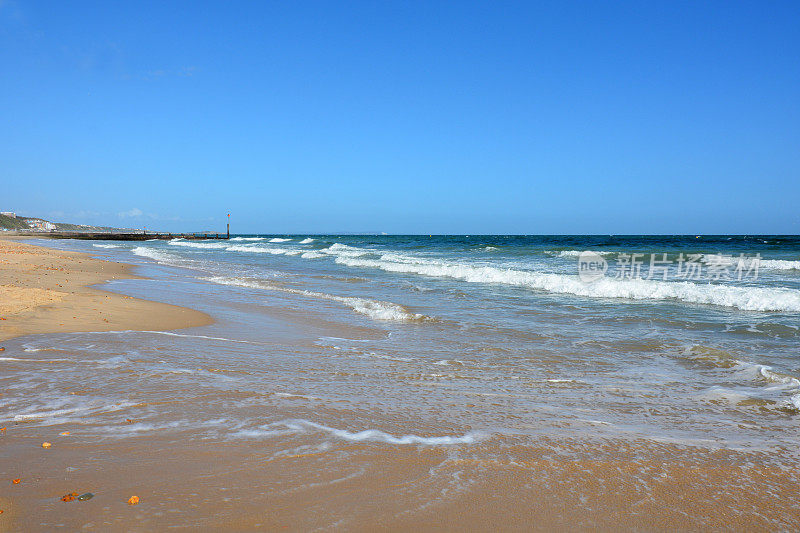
(309, 405)
(52, 291)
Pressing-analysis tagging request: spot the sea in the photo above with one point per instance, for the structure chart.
(474, 354)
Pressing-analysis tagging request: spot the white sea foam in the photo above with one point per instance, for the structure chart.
(248, 239)
(775, 382)
(57, 415)
(157, 255)
(767, 379)
(278, 239)
(250, 247)
(372, 308)
(342, 250)
(779, 264)
(308, 240)
(173, 334)
(719, 394)
(195, 244)
(374, 435)
(386, 357)
(740, 297)
(105, 245)
(44, 414)
(574, 253)
(312, 255)
(258, 249)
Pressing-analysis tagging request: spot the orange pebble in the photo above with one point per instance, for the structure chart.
(15, 481)
(133, 500)
(64, 433)
(46, 445)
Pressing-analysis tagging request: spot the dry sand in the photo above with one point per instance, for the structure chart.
(49, 291)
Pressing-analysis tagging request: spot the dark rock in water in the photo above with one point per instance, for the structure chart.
(85, 496)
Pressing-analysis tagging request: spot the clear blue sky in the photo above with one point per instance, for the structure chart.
(429, 117)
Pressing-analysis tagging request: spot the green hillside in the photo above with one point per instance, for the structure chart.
(21, 223)
(8, 222)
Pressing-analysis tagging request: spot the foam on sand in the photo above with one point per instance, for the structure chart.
(374, 309)
(374, 435)
(765, 377)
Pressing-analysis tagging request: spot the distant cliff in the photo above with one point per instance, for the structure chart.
(9, 221)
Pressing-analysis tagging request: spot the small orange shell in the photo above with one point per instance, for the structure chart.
(64, 433)
(133, 500)
(15, 481)
(46, 445)
(69, 497)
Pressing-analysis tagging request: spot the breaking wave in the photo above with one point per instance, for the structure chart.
(263, 250)
(779, 264)
(747, 298)
(195, 244)
(574, 253)
(252, 247)
(154, 254)
(740, 297)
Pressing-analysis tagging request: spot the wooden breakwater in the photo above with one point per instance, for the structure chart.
(109, 236)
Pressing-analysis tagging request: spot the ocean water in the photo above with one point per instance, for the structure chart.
(472, 345)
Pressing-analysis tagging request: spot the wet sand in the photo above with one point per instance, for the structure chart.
(216, 486)
(49, 291)
(266, 429)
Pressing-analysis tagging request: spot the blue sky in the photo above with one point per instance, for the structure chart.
(429, 117)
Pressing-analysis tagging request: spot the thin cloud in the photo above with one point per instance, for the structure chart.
(135, 212)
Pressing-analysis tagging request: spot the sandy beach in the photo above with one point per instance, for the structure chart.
(398, 266)
(320, 399)
(50, 291)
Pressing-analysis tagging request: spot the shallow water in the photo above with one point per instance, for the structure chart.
(473, 350)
